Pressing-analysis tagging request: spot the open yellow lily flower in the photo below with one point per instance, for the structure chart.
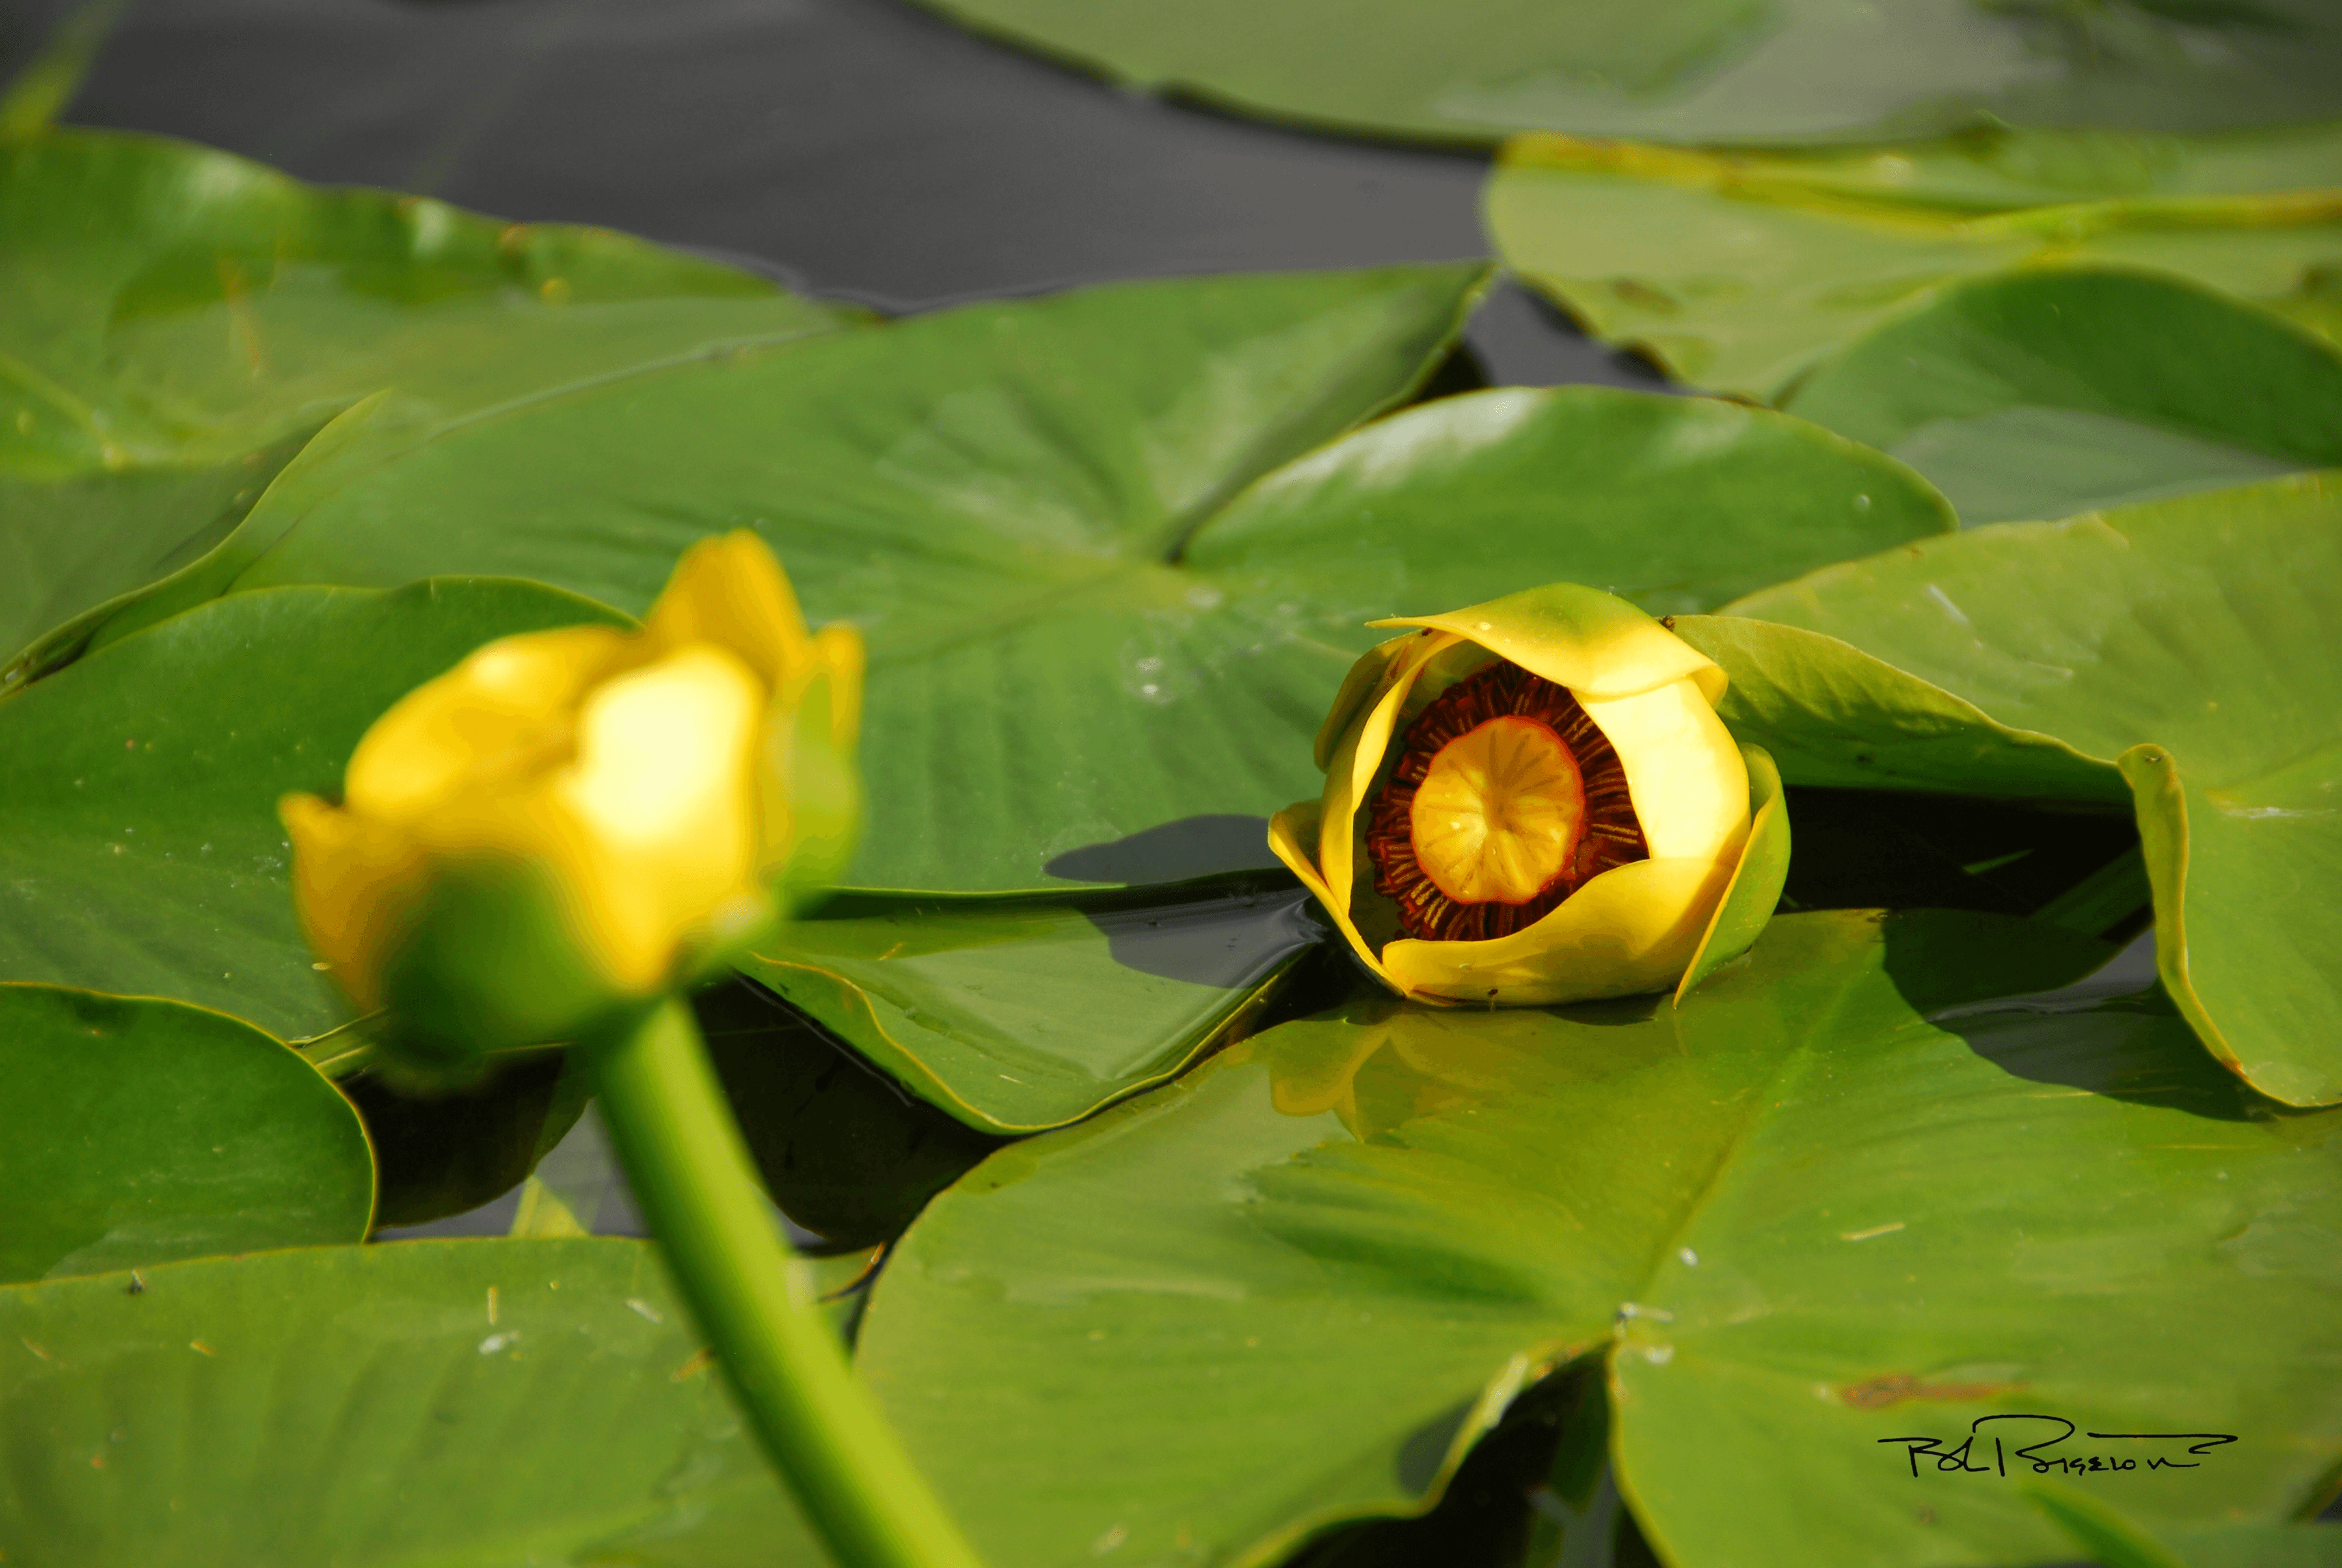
(1533, 801)
(573, 822)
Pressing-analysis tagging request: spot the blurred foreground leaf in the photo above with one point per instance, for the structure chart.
(1834, 1201)
(136, 1132)
(478, 1402)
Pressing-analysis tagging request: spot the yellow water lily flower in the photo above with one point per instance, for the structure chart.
(574, 821)
(1533, 801)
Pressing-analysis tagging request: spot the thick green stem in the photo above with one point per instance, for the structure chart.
(755, 1299)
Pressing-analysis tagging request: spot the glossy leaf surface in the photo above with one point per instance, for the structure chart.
(2047, 392)
(174, 313)
(1754, 893)
(990, 493)
(1706, 71)
(1094, 614)
(136, 1132)
(2182, 650)
(1062, 500)
(2261, 1546)
(1835, 1198)
(1017, 1014)
(1741, 273)
(141, 852)
(461, 1404)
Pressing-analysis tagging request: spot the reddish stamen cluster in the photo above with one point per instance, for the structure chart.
(1611, 835)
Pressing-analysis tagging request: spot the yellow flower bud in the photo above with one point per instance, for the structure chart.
(1528, 802)
(571, 823)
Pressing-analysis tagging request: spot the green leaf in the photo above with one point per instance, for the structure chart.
(2045, 393)
(136, 1132)
(142, 853)
(175, 313)
(459, 1404)
(76, 541)
(1667, 501)
(1831, 714)
(2183, 649)
(2099, 1528)
(2114, 1540)
(1093, 610)
(1755, 891)
(1741, 273)
(1830, 1202)
(1710, 71)
(1018, 1014)
(2261, 1546)
(1103, 622)
(991, 492)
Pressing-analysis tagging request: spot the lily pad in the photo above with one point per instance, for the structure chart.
(1834, 1200)
(1096, 607)
(1019, 1015)
(1104, 623)
(2042, 394)
(1742, 272)
(1709, 71)
(138, 1133)
(2261, 1546)
(177, 314)
(424, 1403)
(142, 853)
(2179, 650)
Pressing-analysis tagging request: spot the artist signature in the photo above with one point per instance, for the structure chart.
(1983, 1452)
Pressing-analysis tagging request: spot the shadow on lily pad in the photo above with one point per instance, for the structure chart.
(1177, 851)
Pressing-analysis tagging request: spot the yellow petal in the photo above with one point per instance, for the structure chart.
(1360, 688)
(838, 653)
(1684, 770)
(507, 712)
(664, 796)
(1747, 904)
(1310, 1083)
(350, 875)
(1631, 929)
(1593, 643)
(730, 592)
(1351, 769)
(1290, 832)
